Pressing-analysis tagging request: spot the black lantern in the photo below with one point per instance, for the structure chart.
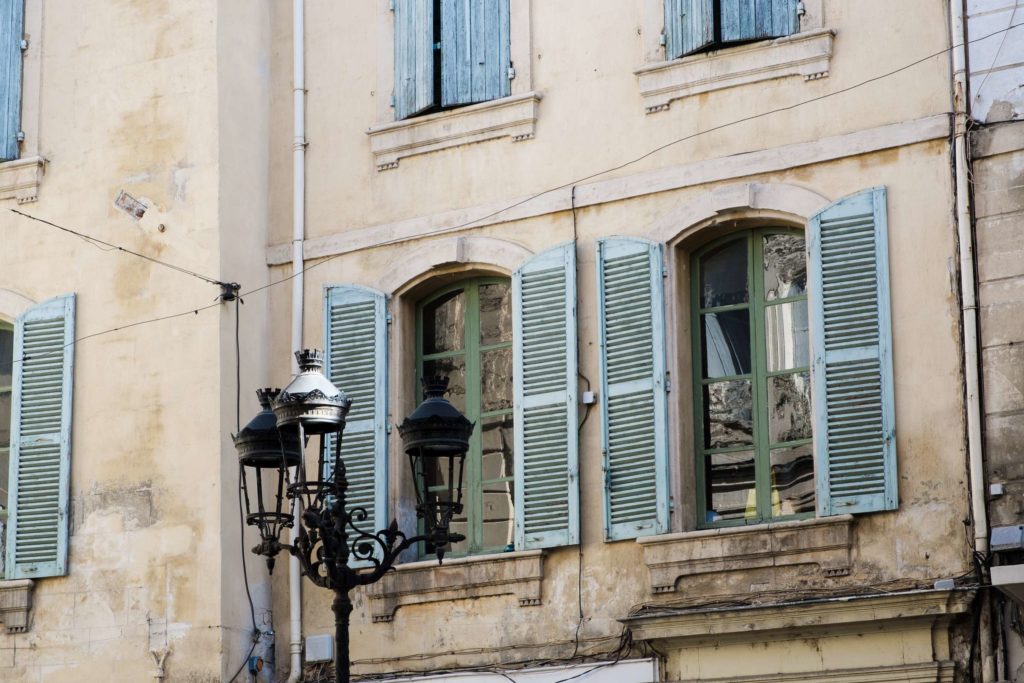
(436, 438)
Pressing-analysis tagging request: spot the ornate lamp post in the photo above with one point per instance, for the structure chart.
(271, 446)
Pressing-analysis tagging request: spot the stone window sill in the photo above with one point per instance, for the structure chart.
(806, 54)
(513, 117)
(20, 179)
(825, 542)
(15, 604)
(417, 583)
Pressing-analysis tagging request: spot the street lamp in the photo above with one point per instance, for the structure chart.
(435, 436)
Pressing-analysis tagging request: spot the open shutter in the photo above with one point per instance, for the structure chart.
(854, 433)
(474, 51)
(414, 57)
(355, 326)
(689, 26)
(37, 534)
(634, 406)
(544, 352)
(12, 15)
(757, 19)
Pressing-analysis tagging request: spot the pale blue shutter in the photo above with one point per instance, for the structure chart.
(545, 369)
(11, 31)
(689, 26)
(414, 57)
(474, 51)
(634, 406)
(37, 532)
(757, 19)
(355, 329)
(854, 432)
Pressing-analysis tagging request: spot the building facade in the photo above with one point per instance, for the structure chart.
(694, 268)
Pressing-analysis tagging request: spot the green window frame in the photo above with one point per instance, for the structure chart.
(482, 362)
(6, 400)
(771, 390)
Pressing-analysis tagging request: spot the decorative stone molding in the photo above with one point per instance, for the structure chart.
(825, 542)
(806, 54)
(513, 117)
(816, 617)
(417, 583)
(491, 251)
(16, 604)
(20, 179)
(924, 672)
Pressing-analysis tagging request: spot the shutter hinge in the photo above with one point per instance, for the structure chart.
(387, 428)
(24, 44)
(392, 100)
(664, 271)
(387, 318)
(668, 385)
(391, 5)
(671, 504)
(21, 136)
(437, 47)
(511, 72)
(663, 39)
(801, 9)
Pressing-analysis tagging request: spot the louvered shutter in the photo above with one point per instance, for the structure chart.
(633, 387)
(355, 326)
(474, 51)
(37, 532)
(757, 19)
(414, 57)
(689, 26)
(854, 432)
(544, 352)
(11, 30)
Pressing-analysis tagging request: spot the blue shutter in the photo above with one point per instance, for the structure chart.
(545, 369)
(37, 533)
(689, 26)
(854, 432)
(12, 15)
(474, 51)
(414, 57)
(634, 406)
(355, 329)
(757, 19)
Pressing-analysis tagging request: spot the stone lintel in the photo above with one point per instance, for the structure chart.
(416, 583)
(16, 604)
(825, 542)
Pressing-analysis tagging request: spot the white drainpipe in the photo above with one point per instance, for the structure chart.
(298, 236)
(969, 312)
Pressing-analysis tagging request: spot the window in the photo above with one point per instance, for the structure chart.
(6, 369)
(753, 401)
(697, 25)
(464, 332)
(450, 53)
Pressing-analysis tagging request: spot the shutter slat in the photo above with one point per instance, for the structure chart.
(852, 369)
(40, 440)
(633, 401)
(544, 357)
(474, 51)
(414, 57)
(758, 19)
(689, 26)
(355, 330)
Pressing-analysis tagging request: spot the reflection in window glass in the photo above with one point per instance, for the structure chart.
(496, 379)
(726, 341)
(444, 323)
(728, 418)
(455, 370)
(786, 336)
(792, 480)
(730, 484)
(495, 313)
(724, 275)
(6, 375)
(789, 407)
(785, 266)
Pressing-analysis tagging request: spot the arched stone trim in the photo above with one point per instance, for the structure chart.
(13, 304)
(776, 198)
(490, 251)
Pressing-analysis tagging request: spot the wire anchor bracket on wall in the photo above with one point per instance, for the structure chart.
(229, 291)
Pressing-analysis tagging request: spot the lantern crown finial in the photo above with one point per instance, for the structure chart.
(266, 396)
(309, 359)
(436, 386)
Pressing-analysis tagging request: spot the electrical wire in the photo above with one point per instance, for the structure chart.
(999, 49)
(520, 202)
(95, 241)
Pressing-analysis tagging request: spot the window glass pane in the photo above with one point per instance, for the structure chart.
(495, 313)
(498, 517)
(496, 441)
(725, 340)
(496, 379)
(729, 482)
(727, 414)
(792, 480)
(724, 275)
(455, 370)
(785, 266)
(786, 336)
(444, 321)
(789, 407)
(6, 355)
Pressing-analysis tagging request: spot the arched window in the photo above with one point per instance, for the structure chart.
(753, 399)
(464, 332)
